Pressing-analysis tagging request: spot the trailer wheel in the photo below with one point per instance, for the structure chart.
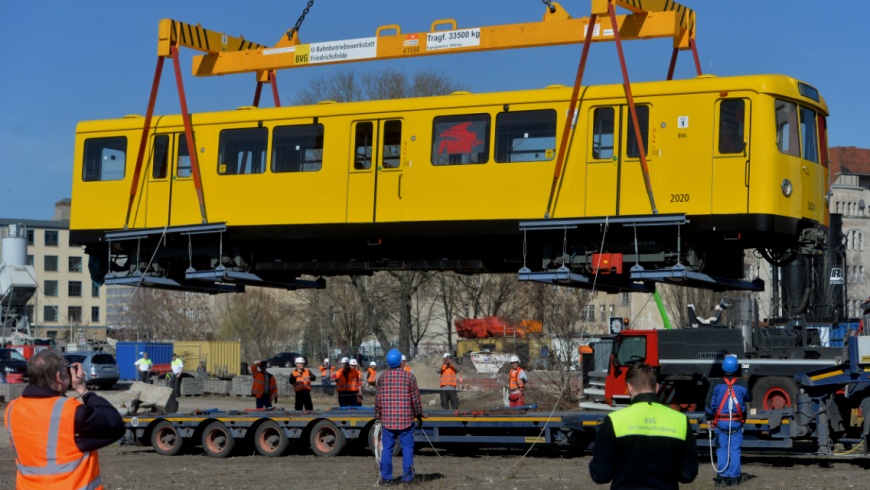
(270, 439)
(326, 439)
(217, 440)
(166, 439)
(774, 393)
(397, 448)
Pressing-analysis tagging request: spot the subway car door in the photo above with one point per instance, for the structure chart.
(184, 205)
(362, 177)
(388, 188)
(602, 162)
(731, 157)
(156, 193)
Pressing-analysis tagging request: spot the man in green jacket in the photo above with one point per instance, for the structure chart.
(647, 444)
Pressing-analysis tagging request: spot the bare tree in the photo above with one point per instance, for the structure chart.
(259, 320)
(389, 83)
(160, 314)
(408, 282)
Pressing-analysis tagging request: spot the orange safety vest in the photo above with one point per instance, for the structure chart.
(448, 375)
(42, 432)
(259, 386)
(347, 380)
(407, 368)
(325, 371)
(373, 374)
(303, 381)
(515, 382)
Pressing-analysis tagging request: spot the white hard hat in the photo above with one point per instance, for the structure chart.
(343, 360)
(373, 364)
(353, 362)
(326, 361)
(404, 358)
(446, 355)
(299, 360)
(515, 359)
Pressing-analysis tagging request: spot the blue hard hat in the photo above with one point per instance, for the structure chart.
(394, 358)
(729, 365)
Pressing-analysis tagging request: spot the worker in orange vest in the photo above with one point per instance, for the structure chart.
(449, 386)
(372, 376)
(517, 383)
(301, 380)
(262, 379)
(56, 438)
(347, 383)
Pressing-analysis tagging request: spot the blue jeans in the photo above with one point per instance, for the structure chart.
(264, 401)
(722, 435)
(406, 439)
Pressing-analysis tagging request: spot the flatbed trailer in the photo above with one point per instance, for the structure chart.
(329, 432)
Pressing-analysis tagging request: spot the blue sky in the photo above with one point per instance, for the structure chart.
(71, 61)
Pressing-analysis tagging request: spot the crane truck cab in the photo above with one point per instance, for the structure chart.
(686, 359)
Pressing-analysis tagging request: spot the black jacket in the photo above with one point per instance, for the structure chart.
(643, 461)
(97, 422)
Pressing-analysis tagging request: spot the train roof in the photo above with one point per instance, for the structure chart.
(768, 83)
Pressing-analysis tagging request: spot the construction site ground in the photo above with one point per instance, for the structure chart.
(140, 468)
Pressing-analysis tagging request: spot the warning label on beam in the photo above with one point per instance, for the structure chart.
(336, 51)
(461, 38)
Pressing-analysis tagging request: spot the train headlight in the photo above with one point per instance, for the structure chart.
(787, 188)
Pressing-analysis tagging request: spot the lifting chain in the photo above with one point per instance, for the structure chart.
(549, 5)
(301, 20)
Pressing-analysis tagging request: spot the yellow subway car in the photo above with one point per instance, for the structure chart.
(444, 182)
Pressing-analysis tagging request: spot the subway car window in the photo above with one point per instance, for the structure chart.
(602, 133)
(160, 157)
(460, 140)
(242, 151)
(525, 136)
(731, 138)
(183, 167)
(297, 148)
(362, 156)
(105, 159)
(392, 150)
(809, 138)
(632, 148)
(787, 128)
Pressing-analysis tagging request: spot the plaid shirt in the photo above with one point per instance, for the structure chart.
(397, 403)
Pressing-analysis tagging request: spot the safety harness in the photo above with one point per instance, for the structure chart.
(729, 394)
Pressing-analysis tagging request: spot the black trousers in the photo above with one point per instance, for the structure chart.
(449, 400)
(303, 400)
(348, 400)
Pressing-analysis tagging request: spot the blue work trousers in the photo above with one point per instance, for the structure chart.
(725, 430)
(388, 440)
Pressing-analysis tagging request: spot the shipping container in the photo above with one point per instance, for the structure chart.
(127, 353)
(221, 357)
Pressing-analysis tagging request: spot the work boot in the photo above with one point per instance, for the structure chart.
(738, 480)
(721, 481)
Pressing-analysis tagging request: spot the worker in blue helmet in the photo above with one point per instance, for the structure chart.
(726, 412)
(397, 404)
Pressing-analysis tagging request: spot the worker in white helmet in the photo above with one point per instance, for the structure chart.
(347, 383)
(371, 376)
(327, 375)
(517, 383)
(405, 365)
(301, 379)
(449, 383)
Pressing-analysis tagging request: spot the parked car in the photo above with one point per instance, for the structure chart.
(12, 362)
(284, 359)
(100, 368)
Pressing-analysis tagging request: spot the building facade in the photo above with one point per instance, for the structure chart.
(67, 306)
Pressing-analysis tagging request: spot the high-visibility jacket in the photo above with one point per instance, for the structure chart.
(326, 372)
(259, 385)
(177, 366)
(303, 381)
(407, 368)
(373, 374)
(448, 375)
(516, 382)
(143, 365)
(42, 432)
(347, 380)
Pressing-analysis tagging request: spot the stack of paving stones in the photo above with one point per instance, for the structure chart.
(191, 387)
(11, 391)
(242, 385)
(217, 386)
(200, 375)
(284, 386)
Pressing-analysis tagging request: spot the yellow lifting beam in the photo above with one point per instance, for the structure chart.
(649, 19)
